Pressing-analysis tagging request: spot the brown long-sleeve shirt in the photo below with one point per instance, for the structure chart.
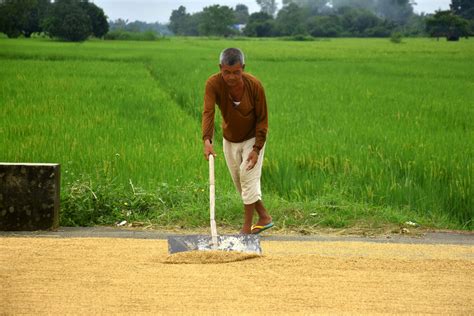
(242, 122)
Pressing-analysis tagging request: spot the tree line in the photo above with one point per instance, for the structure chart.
(326, 18)
(76, 20)
(71, 20)
(121, 29)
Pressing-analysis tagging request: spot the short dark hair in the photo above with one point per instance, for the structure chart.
(231, 56)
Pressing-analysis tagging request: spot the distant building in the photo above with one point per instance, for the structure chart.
(239, 27)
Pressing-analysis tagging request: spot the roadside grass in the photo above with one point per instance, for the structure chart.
(185, 206)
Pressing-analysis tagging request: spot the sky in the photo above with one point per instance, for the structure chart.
(160, 10)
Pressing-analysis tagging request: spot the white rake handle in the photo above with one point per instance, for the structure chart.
(212, 193)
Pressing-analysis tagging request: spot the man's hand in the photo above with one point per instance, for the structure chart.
(208, 150)
(252, 160)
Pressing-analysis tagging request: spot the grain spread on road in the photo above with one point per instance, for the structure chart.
(129, 276)
(203, 257)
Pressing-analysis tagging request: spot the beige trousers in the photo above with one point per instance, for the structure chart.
(246, 182)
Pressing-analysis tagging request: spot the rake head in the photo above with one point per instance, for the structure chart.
(240, 243)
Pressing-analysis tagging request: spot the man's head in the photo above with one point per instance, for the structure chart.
(232, 64)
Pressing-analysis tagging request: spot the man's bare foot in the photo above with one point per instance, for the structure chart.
(246, 230)
(262, 224)
(262, 221)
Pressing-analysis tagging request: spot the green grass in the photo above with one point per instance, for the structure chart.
(363, 132)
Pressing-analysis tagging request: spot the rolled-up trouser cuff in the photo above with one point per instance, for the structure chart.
(248, 201)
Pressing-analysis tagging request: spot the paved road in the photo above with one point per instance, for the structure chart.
(58, 276)
(450, 238)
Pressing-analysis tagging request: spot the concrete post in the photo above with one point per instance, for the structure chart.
(29, 196)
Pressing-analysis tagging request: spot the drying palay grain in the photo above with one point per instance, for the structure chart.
(91, 276)
(202, 257)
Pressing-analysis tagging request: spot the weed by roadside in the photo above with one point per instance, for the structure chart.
(185, 206)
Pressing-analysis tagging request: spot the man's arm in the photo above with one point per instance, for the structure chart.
(208, 119)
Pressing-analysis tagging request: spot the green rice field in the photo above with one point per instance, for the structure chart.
(362, 132)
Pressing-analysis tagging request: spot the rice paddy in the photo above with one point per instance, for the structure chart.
(361, 130)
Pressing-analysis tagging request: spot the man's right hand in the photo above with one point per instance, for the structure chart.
(208, 150)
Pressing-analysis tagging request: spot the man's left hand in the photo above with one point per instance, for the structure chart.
(252, 160)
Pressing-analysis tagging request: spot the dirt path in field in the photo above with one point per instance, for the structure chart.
(127, 276)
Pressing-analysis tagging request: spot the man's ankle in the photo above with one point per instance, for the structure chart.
(267, 219)
(246, 230)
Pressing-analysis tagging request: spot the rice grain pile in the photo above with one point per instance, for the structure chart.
(204, 257)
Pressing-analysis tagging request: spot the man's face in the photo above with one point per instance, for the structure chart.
(232, 74)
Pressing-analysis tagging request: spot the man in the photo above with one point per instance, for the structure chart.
(241, 100)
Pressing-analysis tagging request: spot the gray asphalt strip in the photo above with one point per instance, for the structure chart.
(455, 238)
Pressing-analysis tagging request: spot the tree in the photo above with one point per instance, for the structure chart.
(355, 4)
(358, 22)
(463, 8)
(118, 25)
(268, 6)
(314, 6)
(179, 20)
(75, 20)
(290, 20)
(414, 26)
(21, 17)
(398, 11)
(324, 26)
(217, 20)
(363, 21)
(382, 29)
(182, 23)
(445, 23)
(67, 20)
(192, 28)
(241, 14)
(99, 23)
(260, 24)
